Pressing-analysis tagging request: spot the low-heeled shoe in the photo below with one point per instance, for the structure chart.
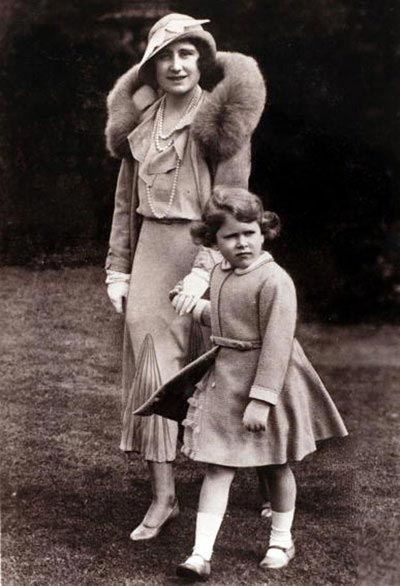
(277, 557)
(195, 568)
(144, 532)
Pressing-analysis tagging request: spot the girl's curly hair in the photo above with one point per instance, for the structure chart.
(242, 205)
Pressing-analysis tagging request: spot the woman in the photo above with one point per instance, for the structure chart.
(181, 120)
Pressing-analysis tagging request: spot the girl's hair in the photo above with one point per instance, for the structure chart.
(242, 205)
(210, 71)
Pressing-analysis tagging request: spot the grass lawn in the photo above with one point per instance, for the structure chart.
(70, 498)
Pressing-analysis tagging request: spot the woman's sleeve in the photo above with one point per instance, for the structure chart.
(120, 252)
(278, 308)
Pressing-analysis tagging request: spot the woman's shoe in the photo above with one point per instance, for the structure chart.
(277, 557)
(144, 532)
(194, 568)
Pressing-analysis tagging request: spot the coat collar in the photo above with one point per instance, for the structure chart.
(226, 118)
(261, 260)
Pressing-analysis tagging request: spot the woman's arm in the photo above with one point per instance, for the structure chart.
(119, 257)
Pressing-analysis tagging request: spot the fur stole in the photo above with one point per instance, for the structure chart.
(227, 117)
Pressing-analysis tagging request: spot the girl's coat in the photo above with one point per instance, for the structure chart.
(256, 308)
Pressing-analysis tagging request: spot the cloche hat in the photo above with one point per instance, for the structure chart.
(173, 27)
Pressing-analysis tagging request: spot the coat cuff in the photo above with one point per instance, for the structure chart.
(120, 265)
(116, 277)
(264, 394)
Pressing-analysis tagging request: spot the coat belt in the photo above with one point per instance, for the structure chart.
(236, 344)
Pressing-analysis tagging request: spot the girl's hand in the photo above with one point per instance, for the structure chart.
(256, 415)
(183, 303)
(186, 293)
(177, 289)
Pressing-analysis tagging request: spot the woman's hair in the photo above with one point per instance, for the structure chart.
(242, 205)
(210, 71)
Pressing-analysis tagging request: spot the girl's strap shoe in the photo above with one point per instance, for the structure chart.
(195, 568)
(277, 557)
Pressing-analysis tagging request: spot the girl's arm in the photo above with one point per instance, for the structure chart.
(278, 308)
(202, 312)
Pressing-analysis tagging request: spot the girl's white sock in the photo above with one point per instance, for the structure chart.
(207, 527)
(281, 529)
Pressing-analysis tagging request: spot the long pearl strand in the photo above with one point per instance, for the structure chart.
(192, 104)
(171, 197)
(158, 135)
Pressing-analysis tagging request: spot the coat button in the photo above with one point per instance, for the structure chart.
(213, 385)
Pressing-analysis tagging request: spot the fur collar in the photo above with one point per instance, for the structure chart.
(229, 114)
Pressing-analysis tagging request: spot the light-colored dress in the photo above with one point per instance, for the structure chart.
(253, 319)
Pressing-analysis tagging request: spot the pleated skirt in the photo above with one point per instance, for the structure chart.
(157, 342)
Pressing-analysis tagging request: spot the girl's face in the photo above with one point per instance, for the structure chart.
(176, 68)
(240, 242)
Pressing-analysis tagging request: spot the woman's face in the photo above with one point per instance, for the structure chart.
(240, 242)
(176, 68)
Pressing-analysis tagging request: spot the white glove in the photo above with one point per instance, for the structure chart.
(194, 285)
(117, 289)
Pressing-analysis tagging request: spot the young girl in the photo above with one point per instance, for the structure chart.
(262, 403)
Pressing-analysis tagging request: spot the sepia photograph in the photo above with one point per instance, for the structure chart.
(200, 292)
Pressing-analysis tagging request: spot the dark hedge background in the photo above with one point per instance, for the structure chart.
(326, 154)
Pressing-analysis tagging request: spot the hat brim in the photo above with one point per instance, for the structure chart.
(170, 400)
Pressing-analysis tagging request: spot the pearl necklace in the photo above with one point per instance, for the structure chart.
(157, 134)
(171, 197)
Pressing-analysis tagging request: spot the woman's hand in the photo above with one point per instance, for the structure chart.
(256, 415)
(118, 292)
